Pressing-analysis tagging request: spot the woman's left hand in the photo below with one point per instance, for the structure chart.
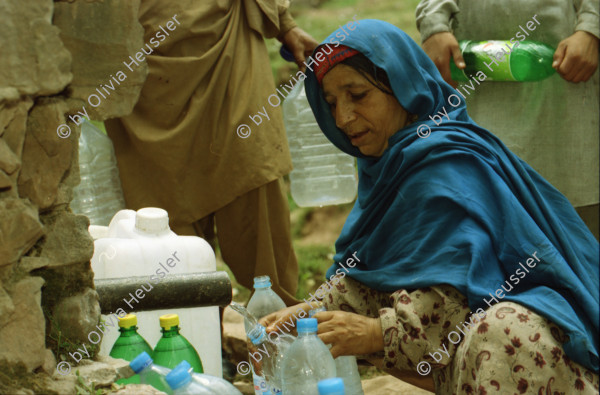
(301, 44)
(349, 333)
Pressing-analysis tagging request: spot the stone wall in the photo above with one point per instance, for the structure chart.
(54, 54)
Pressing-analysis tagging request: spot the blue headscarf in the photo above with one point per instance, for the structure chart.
(458, 207)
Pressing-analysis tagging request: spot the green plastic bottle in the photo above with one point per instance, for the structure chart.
(129, 345)
(526, 61)
(172, 348)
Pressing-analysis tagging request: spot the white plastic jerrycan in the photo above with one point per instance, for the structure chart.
(141, 244)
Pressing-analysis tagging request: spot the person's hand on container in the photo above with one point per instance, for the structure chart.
(300, 44)
(349, 333)
(576, 57)
(440, 47)
(274, 321)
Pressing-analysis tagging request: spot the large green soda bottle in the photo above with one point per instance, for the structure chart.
(129, 345)
(503, 61)
(172, 348)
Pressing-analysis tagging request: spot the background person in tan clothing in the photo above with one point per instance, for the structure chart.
(179, 150)
(551, 124)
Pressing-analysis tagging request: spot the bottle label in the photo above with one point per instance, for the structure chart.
(490, 57)
(260, 385)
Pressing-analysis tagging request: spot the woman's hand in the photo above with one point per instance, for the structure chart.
(576, 57)
(285, 316)
(349, 333)
(440, 47)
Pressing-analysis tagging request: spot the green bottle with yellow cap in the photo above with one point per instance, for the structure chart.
(129, 345)
(172, 348)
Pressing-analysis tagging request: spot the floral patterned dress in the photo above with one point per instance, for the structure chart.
(507, 349)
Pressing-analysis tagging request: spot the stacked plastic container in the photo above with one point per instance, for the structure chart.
(322, 175)
(135, 244)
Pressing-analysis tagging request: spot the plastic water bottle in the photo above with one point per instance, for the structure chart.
(345, 366)
(215, 385)
(528, 61)
(180, 381)
(263, 302)
(151, 373)
(334, 386)
(99, 195)
(172, 348)
(322, 173)
(129, 344)
(307, 361)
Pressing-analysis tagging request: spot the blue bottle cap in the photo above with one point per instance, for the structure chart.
(262, 282)
(306, 325)
(178, 377)
(184, 365)
(332, 386)
(285, 53)
(257, 334)
(140, 362)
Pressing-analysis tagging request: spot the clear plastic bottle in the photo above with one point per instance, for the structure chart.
(263, 302)
(527, 61)
(307, 361)
(99, 195)
(150, 373)
(129, 344)
(172, 348)
(180, 381)
(213, 385)
(322, 174)
(345, 366)
(334, 386)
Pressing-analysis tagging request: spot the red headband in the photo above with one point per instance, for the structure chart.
(336, 55)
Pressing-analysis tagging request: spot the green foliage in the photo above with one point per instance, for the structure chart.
(313, 262)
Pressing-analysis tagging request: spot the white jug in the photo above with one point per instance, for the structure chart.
(140, 244)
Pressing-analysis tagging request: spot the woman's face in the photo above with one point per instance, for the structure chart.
(368, 116)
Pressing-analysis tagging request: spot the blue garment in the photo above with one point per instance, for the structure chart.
(458, 207)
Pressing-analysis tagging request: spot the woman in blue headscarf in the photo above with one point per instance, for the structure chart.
(457, 256)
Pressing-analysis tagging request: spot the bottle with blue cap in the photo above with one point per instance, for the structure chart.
(150, 373)
(307, 361)
(333, 386)
(263, 302)
(345, 366)
(210, 385)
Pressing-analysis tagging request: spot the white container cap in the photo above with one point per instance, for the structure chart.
(152, 220)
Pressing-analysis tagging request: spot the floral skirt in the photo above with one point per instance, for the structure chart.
(507, 350)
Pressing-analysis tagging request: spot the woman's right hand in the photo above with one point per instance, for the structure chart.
(287, 316)
(440, 47)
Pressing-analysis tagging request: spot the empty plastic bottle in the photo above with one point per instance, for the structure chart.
(263, 302)
(334, 386)
(180, 381)
(345, 366)
(307, 361)
(150, 373)
(504, 61)
(99, 195)
(172, 348)
(213, 385)
(322, 174)
(129, 344)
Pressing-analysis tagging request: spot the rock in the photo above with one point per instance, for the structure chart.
(385, 385)
(46, 157)
(78, 315)
(67, 242)
(20, 229)
(102, 35)
(141, 389)
(32, 44)
(49, 364)
(22, 338)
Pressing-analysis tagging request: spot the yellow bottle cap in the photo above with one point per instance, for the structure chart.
(169, 320)
(128, 321)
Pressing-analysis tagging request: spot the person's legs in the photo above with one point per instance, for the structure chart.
(255, 239)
